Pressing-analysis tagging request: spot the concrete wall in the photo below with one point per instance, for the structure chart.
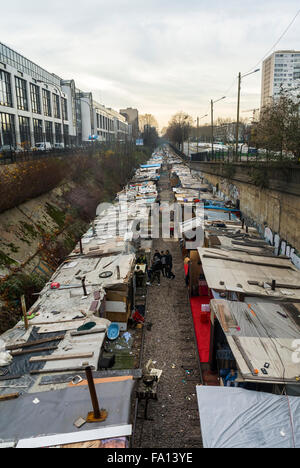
(274, 209)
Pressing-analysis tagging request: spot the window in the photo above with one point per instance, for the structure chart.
(64, 106)
(49, 131)
(21, 92)
(24, 128)
(38, 130)
(58, 133)
(5, 89)
(66, 135)
(7, 128)
(47, 103)
(35, 99)
(56, 107)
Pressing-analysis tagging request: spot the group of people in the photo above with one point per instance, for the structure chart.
(162, 264)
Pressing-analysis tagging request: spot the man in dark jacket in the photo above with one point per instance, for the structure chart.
(169, 265)
(156, 269)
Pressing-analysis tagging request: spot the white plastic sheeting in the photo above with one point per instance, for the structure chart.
(238, 418)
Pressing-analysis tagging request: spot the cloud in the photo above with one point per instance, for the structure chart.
(159, 56)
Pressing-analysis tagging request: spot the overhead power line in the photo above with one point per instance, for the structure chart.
(278, 40)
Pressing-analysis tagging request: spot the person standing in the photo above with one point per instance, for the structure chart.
(156, 269)
(164, 264)
(169, 265)
(157, 255)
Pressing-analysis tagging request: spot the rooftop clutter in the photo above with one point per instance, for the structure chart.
(68, 325)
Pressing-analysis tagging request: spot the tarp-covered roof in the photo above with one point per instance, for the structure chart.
(238, 418)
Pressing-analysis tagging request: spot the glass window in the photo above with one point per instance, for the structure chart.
(47, 103)
(38, 130)
(58, 136)
(24, 128)
(64, 105)
(21, 92)
(5, 89)
(35, 98)
(66, 135)
(7, 127)
(49, 131)
(56, 106)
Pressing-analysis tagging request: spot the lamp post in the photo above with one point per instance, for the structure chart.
(238, 108)
(183, 124)
(212, 102)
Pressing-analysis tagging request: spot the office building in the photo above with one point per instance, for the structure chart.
(38, 106)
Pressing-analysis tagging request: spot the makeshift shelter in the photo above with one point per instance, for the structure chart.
(250, 275)
(50, 416)
(237, 418)
(261, 337)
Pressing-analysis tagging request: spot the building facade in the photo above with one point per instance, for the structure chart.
(132, 117)
(33, 105)
(279, 70)
(37, 106)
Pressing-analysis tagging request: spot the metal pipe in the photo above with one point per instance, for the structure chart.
(92, 389)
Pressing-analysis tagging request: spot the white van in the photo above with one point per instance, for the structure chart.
(44, 146)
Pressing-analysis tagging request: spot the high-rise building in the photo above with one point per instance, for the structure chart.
(279, 70)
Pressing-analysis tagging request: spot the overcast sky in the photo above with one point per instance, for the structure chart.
(160, 56)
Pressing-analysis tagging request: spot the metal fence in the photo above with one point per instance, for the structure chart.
(13, 157)
(231, 156)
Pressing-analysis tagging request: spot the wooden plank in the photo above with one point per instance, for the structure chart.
(31, 351)
(56, 371)
(59, 379)
(24, 311)
(10, 396)
(244, 355)
(249, 262)
(88, 332)
(278, 285)
(10, 377)
(59, 326)
(33, 343)
(222, 317)
(60, 357)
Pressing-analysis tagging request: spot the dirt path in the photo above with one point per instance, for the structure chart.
(171, 346)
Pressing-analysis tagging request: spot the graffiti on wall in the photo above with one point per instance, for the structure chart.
(282, 247)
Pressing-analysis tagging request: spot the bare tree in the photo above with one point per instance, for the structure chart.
(147, 120)
(179, 128)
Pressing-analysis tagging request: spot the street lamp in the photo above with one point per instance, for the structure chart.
(238, 108)
(212, 122)
(183, 124)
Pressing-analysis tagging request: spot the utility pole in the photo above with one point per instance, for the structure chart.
(238, 117)
(238, 108)
(212, 127)
(197, 134)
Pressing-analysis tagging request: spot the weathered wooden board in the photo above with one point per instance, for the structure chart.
(60, 357)
(28, 344)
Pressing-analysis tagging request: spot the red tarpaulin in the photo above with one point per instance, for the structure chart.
(202, 329)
